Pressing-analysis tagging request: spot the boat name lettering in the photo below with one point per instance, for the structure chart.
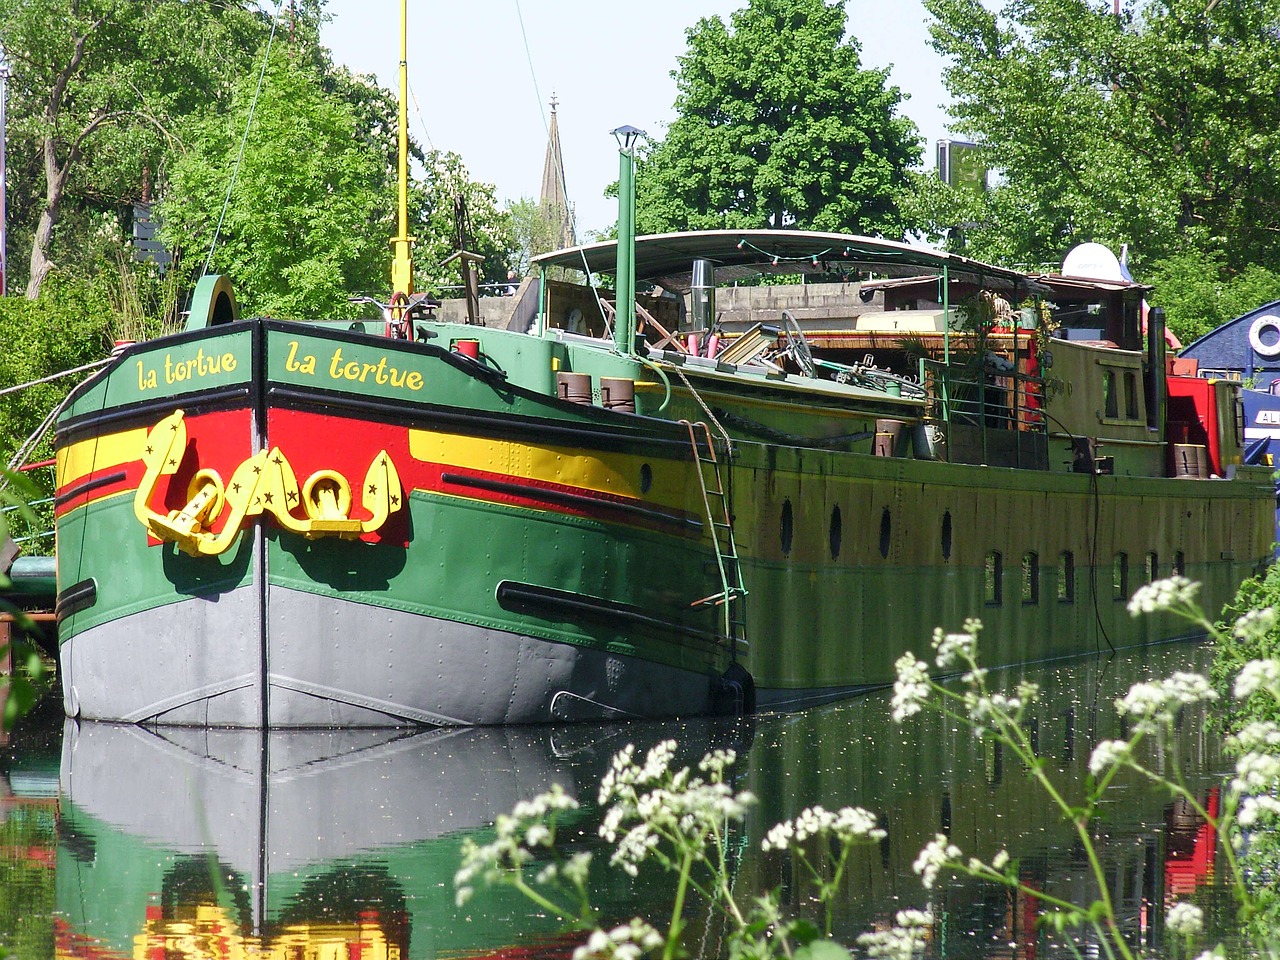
(176, 371)
(360, 372)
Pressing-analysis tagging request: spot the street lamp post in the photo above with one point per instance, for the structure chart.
(625, 314)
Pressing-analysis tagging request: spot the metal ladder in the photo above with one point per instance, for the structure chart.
(716, 507)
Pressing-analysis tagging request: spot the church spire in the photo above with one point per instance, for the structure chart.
(553, 203)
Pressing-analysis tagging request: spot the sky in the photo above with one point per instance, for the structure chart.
(481, 74)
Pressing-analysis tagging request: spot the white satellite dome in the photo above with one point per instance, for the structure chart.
(1093, 261)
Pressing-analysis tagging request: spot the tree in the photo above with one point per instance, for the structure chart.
(532, 232)
(778, 125)
(455, 212)
(97, 92)
(1151, 127)
(311, 210)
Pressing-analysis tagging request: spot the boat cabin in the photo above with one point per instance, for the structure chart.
(1044, 371)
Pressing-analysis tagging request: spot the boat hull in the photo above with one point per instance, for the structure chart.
(512, 557)
(319, 671)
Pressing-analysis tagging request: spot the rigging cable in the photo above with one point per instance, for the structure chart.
(244, 139)
(564, 185)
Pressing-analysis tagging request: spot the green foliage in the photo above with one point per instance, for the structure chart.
(778, 126)
(532, 233)
(456, 213)
(27, 892)
(1144, 128)
(99, 95)
(310, 210)
(1200, 292)
(1232, 652)
(70, 325)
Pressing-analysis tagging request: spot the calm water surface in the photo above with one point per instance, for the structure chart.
(120, 842)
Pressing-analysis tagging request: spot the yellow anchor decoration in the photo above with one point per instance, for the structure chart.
(326, 498)
(264, 483)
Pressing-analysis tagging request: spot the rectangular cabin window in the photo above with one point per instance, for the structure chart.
(1030, 578)
(1066, 577)
(1110, 402)
(994, 573)
(1131, 394)
(1120, 577)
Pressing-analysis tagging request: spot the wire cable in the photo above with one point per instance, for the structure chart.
(244, 139)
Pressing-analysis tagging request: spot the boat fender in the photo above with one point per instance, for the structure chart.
(734, 692)
(1267, 321)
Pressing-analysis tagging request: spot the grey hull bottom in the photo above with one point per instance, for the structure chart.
(327, 662)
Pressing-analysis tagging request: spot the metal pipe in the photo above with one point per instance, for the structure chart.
(625, 278)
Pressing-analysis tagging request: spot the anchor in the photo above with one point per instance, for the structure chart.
(263, 484)
(326, 498)
(189, 527)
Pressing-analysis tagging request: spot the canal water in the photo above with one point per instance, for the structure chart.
(122, 842)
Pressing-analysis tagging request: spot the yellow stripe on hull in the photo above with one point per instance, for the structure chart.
(99, 453)
(612, 473)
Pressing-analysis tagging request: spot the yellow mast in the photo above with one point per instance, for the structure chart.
(402, 243)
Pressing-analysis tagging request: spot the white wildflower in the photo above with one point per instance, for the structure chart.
(1158, 700)
(1106, 755)
(911, 689)
(903, 940)
(1256, 773)
(953, 647)
(778, 837)
(1259, 735)
(515, 834)
(649, 802)
(1000, 861)
(1184, 919)
(1214, 954)
(1163, 595)
(628, 942)
(847, 824)
(1256, 675)
(1254, 625)
(1252, 809)
(935, 855)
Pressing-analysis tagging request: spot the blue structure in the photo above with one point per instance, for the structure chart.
(1246, 348)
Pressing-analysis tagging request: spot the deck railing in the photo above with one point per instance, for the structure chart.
(998, 400)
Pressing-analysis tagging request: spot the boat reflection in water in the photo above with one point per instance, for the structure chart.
(229, 843)
(210, 843)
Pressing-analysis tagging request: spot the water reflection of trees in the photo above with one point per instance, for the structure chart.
(934, 776)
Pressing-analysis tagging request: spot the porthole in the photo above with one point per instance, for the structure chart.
(946, 535)
(886, 533)
(646, 477)
(835, 532)
(786, 528)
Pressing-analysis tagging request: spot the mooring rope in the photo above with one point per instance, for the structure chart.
(56, 376)
(20, 458)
